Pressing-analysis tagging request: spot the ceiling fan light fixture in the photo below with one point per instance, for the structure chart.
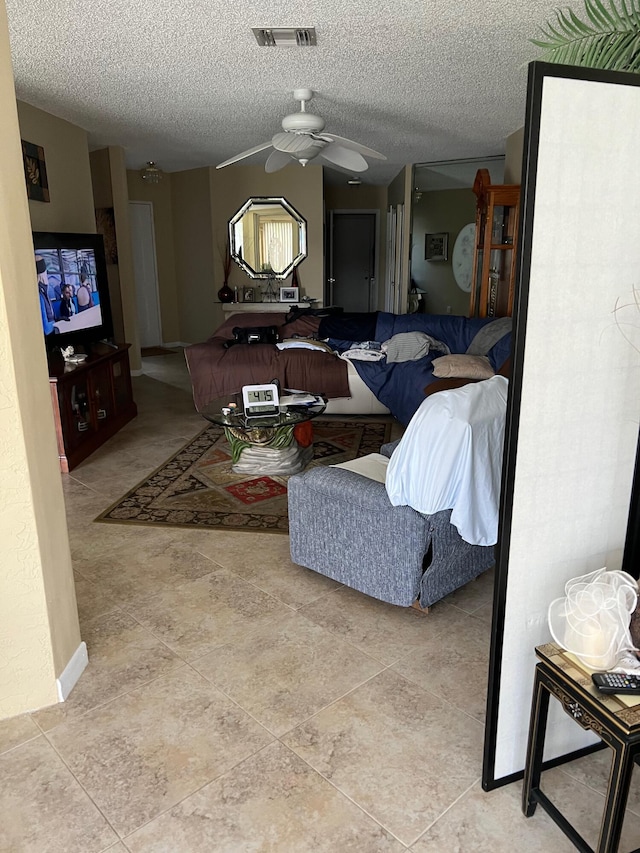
(151, 174)
(302, 139)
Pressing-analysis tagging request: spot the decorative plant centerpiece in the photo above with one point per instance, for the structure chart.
(609, 40)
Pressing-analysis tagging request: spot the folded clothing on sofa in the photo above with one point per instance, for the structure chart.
(410, 346)
(356, 353)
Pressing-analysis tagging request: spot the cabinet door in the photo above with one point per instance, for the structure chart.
(102, 407)
(121, 382)
(74, 402)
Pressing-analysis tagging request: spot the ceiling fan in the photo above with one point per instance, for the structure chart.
(302, 138)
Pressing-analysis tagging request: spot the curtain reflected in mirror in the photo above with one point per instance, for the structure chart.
(268, 238)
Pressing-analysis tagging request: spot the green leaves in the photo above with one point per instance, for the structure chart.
(610, 39)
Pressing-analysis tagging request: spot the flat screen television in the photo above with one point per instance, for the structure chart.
(72, 282)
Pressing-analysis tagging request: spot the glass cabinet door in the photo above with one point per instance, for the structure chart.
(497, 214)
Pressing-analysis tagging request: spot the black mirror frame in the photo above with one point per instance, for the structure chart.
(302, 226)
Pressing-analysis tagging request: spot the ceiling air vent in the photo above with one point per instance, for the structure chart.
(285, 36)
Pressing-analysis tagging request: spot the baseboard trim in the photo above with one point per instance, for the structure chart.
(137, 372)
(72, 672)
(176, 344)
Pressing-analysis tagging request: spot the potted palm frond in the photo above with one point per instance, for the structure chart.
(609, 38)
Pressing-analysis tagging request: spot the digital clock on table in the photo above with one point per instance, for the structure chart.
(260, 400)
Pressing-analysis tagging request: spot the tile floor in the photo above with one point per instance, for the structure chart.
(236, 702)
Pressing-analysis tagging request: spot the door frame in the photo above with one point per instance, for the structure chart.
(393, 271)
(149, 206)
(373, 291)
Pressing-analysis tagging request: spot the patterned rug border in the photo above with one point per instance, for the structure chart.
(346, 423)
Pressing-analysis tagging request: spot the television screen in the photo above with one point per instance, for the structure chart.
(72, 286)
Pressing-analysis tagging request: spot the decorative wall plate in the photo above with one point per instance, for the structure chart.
(462, 257)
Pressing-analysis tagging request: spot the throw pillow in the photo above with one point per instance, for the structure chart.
(463, 366)
(489, 335)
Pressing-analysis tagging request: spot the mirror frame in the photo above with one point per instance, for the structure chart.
(302, 232)
(514, 638)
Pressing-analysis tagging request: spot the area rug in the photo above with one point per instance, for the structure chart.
(197, 488)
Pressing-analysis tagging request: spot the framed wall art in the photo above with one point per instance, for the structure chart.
(106, 225)
(289, 294)
(35, 171)
(436, 246)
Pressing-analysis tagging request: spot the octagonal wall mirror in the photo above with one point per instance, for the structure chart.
(268, 238)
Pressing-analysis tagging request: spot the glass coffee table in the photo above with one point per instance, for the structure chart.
(280, 443)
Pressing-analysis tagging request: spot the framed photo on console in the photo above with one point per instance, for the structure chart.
(289, 294)
(248, 294)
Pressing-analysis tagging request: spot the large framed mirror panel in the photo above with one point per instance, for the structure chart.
(573, 415)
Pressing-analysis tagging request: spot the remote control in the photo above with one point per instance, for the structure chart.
(617, 682)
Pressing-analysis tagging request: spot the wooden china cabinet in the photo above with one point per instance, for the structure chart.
(494, 271)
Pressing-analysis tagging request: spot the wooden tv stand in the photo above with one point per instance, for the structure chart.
(91, 401)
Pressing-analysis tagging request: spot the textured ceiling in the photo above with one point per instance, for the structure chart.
(185, 84)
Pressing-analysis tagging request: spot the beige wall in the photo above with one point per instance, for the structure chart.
(67, 158)
(513, 157)
(73, 176)
(195, 256)
(126, 272)
(301, 186)
(110, 189)
(160, 197)
(344, 197)
(437, 211)
(364, 197)
(203, 201)
(103, 197)
(39, 629)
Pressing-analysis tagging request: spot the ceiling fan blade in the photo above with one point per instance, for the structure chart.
(353, 146)
(244, 154)
(294, 142)
(276, 160)
(344, 157)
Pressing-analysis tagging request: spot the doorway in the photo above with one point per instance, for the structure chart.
(353, 258)
(146, 273)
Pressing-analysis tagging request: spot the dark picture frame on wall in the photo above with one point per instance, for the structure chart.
(436, 246)
(106, 225)
(35, 171)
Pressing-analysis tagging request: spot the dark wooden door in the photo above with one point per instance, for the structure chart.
(351, 280)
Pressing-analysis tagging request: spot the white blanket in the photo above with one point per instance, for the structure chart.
(450, 457)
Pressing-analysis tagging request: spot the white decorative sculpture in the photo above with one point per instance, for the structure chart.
(71, 356)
